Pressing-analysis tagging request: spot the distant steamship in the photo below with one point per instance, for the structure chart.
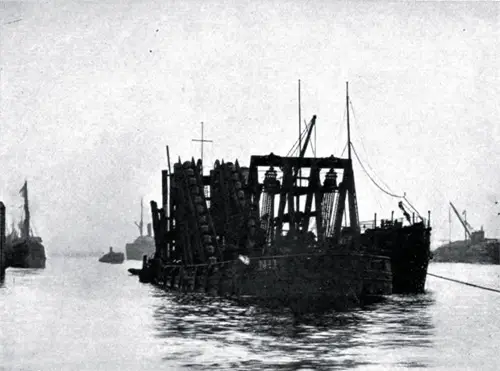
(143, 245)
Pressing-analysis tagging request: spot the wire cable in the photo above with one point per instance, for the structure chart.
(373, 180)
(464, 283)
(361, 137)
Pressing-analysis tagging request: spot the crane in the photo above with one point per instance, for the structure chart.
(467, 227)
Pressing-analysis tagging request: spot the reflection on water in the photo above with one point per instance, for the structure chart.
(26, 275)
(78, 314)
(273, 339)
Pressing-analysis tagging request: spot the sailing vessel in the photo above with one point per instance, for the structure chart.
(112, 257)
(235, 233)
(143, 245)
(25, 250)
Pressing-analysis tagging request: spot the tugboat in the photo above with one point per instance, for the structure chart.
(279, 238)
(143, 245)
(112, 257)
(26, 250)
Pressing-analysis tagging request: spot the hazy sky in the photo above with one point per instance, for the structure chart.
(92, 91)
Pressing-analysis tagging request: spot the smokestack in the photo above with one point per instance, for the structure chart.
(149, 229)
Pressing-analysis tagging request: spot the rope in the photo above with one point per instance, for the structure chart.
(345, 147)
(382, 189)
(387, 190)
(295, 146)
(373, 180)
(408, 202)
(361, 137)
(464, 283)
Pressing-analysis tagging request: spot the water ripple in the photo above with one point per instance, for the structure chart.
(277, 339)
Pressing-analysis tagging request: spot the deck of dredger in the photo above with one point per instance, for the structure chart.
(232, 212)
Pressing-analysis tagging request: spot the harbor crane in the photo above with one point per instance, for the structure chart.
(470, 233)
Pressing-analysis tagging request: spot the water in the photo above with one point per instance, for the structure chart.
(79, 314)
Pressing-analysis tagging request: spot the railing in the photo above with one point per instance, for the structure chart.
(369, 224)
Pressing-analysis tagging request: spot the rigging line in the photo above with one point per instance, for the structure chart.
(370, 167)
(345, 147)
(464, 283)
(361, 137)
(408, 202)
(373, 180)
(295, 146)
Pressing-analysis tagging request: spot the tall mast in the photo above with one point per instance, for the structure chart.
(449, 224)
(25, 232)
(297, 207)
(142, 219)
(140, 224)
(300, 124)
(353, 203)
(348, 124)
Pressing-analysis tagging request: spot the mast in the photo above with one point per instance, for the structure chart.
(353, 203)
(140, 225)
(142, 216)
(297, 207)
(449, 224)
(300, 124)
(25, 230)
(348, 123)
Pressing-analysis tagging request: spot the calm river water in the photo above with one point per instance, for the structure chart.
(79, 314)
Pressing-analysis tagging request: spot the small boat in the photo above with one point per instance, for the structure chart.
(112, 257)
(25, 250)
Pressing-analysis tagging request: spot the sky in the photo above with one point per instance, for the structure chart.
(91, 92)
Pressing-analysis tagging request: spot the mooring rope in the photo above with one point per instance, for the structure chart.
(464, 283)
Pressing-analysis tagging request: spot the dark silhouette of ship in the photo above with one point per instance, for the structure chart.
(112, 257)
(274, 232)
(143, 245)
(25, 250)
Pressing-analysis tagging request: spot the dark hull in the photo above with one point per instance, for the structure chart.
(409, 249)
(27, 253)
(306, 282)
(113, 258)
